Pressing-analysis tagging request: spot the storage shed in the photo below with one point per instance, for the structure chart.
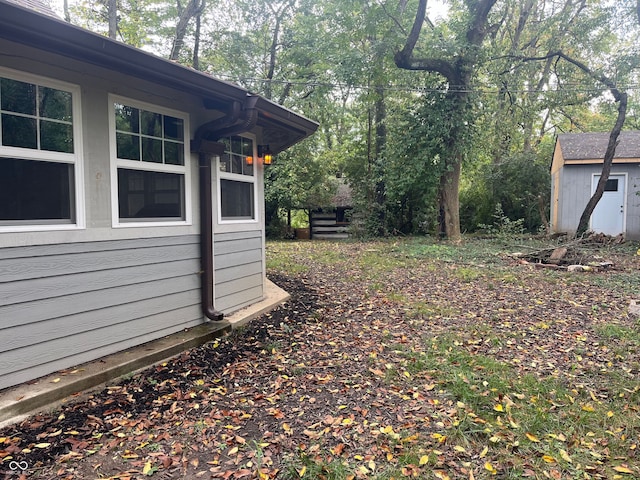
(131, 194)
(331, 222)
(575, 172)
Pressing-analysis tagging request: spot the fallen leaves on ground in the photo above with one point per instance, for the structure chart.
(387, 362)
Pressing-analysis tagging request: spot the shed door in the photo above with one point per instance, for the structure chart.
(608, 216)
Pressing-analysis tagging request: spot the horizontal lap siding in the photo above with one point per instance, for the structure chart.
(61, 305)
(239, 272)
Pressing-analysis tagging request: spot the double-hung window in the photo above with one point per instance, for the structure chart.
(237, 180)
(149, 164)
(40, 154)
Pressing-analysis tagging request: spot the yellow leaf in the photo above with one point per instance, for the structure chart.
(441, 475)
(406, 374)
(532, 437)
(302, 471)
(42, 445)
(424, 460)
(548, 459)
(363, 470)
(623, 469)
(372, 465)
(609, 414)
(147, 468)
(499, 408)
(484, 452)
(490, 468)
(233, 451)
(55, 380)
(286, 427)
(347, 421)
(565, 456)
(460, 449)
(588, 408)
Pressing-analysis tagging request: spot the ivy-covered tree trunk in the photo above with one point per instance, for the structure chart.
(458, 71)
(449, 200)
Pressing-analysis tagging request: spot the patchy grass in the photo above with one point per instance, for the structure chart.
(394, 359)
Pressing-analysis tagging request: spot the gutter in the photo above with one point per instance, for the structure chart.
(240, 118)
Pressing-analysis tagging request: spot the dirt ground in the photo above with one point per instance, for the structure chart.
(329, 385)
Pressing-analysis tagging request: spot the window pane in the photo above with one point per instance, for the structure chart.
(127, 118)
(18, 97)
(173, 153)
(236, 163)
(151, 124)
(55, 104)
(247, 146)
(56, 137)
(144, 195)
(173, 128)
(236, 144)
(236, 199)
(33, 191)
(19, 131)
(225, 163)
(151, 150)
(127, 146)
(611, 185)
(248, 169)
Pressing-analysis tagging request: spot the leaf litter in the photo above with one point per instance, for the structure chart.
(386, 363)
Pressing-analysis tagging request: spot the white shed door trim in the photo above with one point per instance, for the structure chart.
(609, 216)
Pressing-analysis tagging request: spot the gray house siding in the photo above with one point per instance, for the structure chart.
(96, 284)
(575, 191)
(64, 304)
(239, 271)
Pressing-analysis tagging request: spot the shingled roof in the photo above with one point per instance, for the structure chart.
(588, 146)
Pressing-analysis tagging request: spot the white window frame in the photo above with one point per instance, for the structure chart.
(116, 163)
(75, 158)
(252, 179)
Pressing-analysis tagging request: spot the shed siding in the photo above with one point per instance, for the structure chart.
(575, 191)
(65, 304)
(239, 269)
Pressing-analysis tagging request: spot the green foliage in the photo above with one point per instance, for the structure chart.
(503, 227)
(519, 187)
(394, 133)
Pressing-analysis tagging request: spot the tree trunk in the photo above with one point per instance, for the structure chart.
(459, 74)
(112, 12)
(193, 8)
(583, 224)
(380, 114)
(450, 202)
(65, 9)
(196, 42)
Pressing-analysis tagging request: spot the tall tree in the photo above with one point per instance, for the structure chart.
(186, 13)
(459, 70)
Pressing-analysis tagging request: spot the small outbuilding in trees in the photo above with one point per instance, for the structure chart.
(575, 171)
(331, 222)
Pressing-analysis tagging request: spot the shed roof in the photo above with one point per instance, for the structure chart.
(23, 24)
(587, 146)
